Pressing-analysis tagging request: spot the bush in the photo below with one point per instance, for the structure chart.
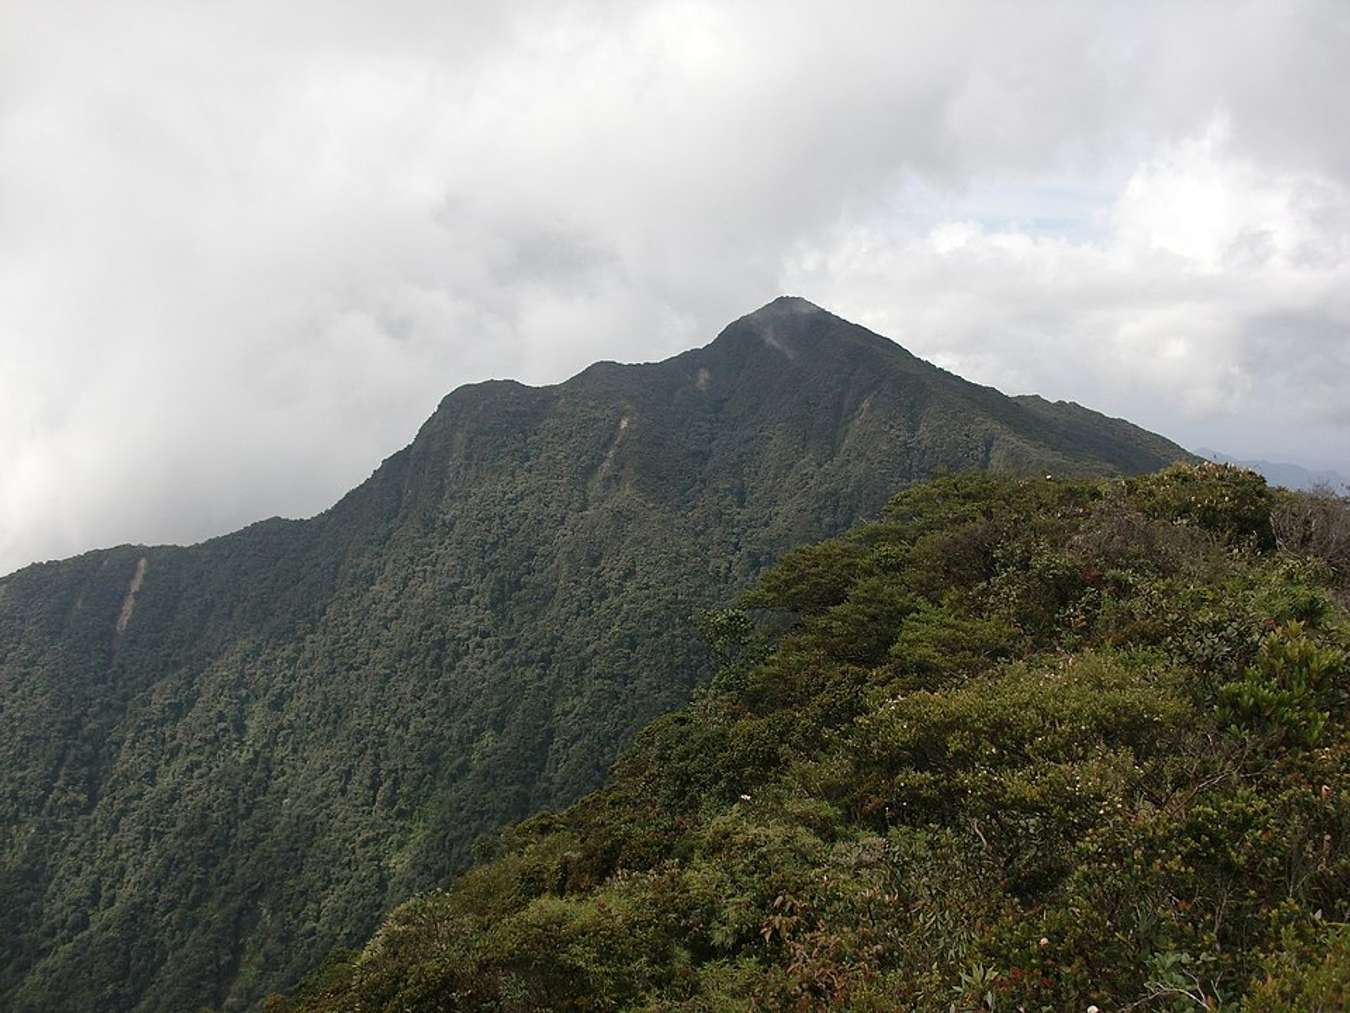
(1284, 694)
(1310, 973)
(1316, 524)
(1231, 502)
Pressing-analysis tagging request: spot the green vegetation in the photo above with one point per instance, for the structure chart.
(285, 732)
(1018, 745)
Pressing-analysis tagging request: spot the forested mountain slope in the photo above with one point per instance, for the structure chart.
(1021, 745)
(220, 762)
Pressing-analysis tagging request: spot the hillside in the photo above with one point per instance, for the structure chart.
(222, 762)
(1018, 745)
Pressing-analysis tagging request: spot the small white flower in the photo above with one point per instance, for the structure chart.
(745, 798)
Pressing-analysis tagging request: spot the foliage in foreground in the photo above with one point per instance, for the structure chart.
(1019, 745)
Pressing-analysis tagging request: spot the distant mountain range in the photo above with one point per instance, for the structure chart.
(1291, 476)
(221, 762)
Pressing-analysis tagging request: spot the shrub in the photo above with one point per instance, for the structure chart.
(1309, 973)
(1284, 694)
(1231, 502)
(1316, 524)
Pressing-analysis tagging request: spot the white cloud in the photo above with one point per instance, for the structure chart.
(1214, 307)
(245, 248)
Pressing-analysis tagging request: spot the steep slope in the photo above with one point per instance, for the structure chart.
(1025, 744)
(223, 761)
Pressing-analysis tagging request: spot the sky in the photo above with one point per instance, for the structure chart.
(245, 248)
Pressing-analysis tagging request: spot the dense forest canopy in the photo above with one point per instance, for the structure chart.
(1018, 745)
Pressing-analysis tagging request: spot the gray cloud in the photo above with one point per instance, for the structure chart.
(245, 248)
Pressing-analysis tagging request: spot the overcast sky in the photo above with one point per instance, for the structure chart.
(246, 247)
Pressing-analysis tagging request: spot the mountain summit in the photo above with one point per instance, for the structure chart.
(221, 762)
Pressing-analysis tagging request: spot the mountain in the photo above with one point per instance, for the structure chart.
(1291, 476)
(224, 761)
(1018, 745)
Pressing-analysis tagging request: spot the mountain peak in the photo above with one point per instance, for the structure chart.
(800, 330)
(788, 304)
(792, 311)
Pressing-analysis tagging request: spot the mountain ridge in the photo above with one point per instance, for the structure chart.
(305, 721)
(758, 321)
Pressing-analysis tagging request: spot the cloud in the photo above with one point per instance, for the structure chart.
(1212, 303)
(245, 248)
